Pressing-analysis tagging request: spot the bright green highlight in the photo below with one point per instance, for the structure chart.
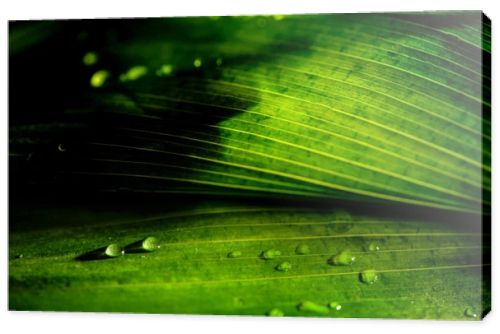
(134, 73)
(234, 254)
(344, 258)
(113, 250)
(150, 244)
(99, 78)
(270, 254)
(335, 306)
(470, 313)
(308, 306)
(369, 276)
(276, 312)
(284, 266)
(90, 58)
(192, 261)
(164, 70)
(197, 62)
(302, 249)
(392, 116)
(374, 246)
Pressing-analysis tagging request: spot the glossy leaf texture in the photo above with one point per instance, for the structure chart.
(425, 269)
(363, 136)
(369, 107)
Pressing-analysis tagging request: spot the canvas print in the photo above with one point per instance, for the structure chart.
(333, 165)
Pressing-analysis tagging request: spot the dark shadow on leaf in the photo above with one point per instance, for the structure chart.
(144, 129)
(103, 253)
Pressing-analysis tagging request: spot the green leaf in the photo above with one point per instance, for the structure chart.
(300, 108)
(426, 269)
(365, 140)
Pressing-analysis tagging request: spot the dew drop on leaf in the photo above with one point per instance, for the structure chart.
(344, 258)
(369, 276)
(61, 148)
(308, 306)
(134, 73)
(270, 254)
(302, 249)
(150, 244)
(284, 266)
(197, 62)
(373, 246)
(335, 306)
(275, 312)
(234, 254)
(164, 70)
(90, 58)
(99, 78)
(113, 250)
(470, 313)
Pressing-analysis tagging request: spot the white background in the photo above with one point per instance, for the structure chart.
(49, 322)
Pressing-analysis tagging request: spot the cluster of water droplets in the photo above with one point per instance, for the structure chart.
(342, 222)
(101, 77)
(113, 250)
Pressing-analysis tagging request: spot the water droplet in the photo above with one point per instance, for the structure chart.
(99, 78)
(369, 276)
(470, 313)
(270, 254)
(278, 17)
(284, 266)
(197, 62)
(302, 249)
(218, 62)
(275, 312)
(234, 254)
(164, 70)
(308, 306)
(335, 306)
(374, 246)
(134, 73)
(110, 251)
(341, 221)
(90, 58)
(61, 148)
(113, 250)
(344, 258)
(148, 244)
